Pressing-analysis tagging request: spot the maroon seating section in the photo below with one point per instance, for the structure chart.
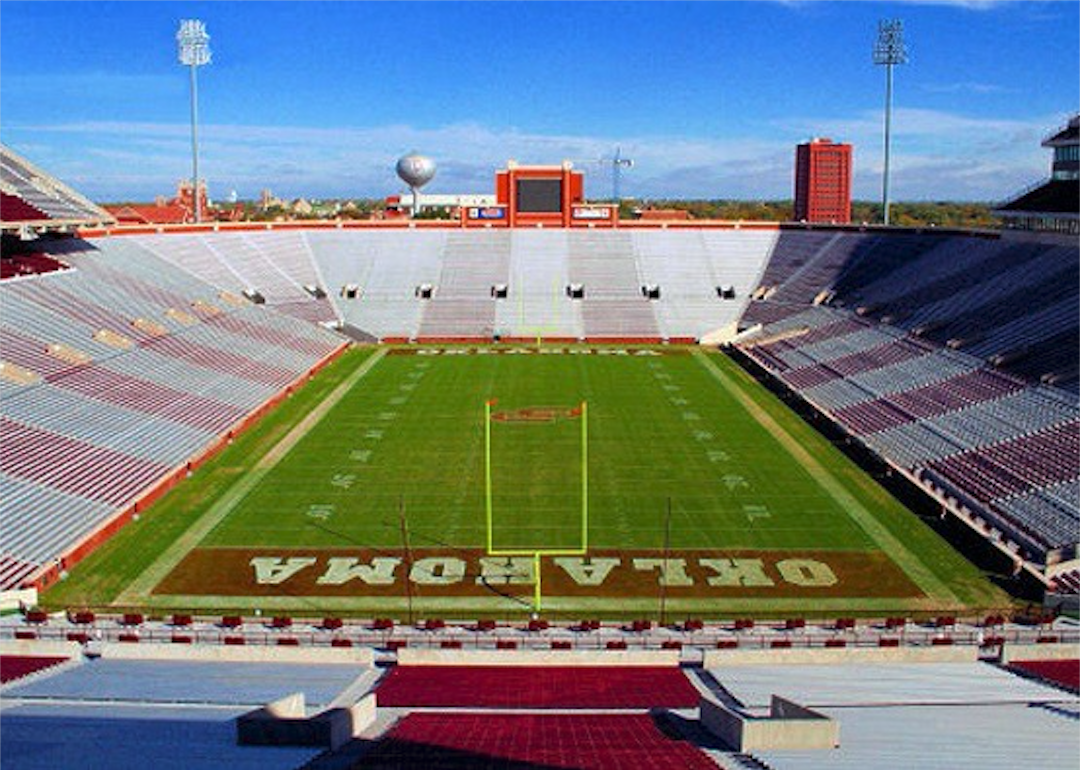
(537, 687)
(70, 305)
(311, 310)
(892, 352)
(28, 264)
(14, 667)
(1065, 673)
(956, 393)
(149, 397)
(1017, 465)
(220, 360)
(948, 395)
(830, 330)
(73, 466)
(13, 570)
(15, 209)
(585, 742)
(1067, 582)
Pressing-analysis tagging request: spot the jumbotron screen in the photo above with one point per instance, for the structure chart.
(539, 196)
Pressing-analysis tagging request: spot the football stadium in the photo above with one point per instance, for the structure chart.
(538, 485)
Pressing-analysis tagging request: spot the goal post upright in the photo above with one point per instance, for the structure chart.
(487, 475)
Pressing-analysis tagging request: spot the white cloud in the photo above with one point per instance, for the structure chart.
(937, 155)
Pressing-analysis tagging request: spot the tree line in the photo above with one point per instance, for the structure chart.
(902, 214)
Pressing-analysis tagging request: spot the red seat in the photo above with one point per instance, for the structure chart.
(585, 741)
(538, 687)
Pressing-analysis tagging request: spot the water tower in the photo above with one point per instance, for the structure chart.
(416, 171)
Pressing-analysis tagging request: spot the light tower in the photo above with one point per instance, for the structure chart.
(194, 53)
(889, 51)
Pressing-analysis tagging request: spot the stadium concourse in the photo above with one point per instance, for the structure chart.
(130, 356)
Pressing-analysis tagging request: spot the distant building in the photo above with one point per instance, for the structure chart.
(662, 215)
(823, 182)
(186, 198)
(1052, 205)
(301, 207)
(160, 212)
(179, 210)
(267, 200)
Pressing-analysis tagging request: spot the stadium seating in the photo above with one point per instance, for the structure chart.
(15, 209)
(913, 346)
(45, 196)
(192, 682)
(585, 741)
(370, 278)
(537, 687)
(1063, 673)
(472, 263)
(275, 265)
(538, 274)
(14, 667)
(116, 373)
(27, 264)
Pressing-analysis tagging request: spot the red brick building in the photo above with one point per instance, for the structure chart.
(823, 182)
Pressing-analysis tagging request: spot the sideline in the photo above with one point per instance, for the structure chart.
(139, 589)
(885, 540)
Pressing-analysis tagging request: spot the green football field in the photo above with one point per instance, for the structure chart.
(612, 475)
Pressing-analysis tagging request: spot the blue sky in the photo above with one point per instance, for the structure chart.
(709, 98)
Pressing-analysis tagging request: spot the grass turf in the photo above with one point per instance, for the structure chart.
(667, 427)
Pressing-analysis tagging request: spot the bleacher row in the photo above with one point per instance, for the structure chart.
(113, 375)
(901, 354)
(442, 741)
(27, 264)
(386, 267)
(15, 209)
(30, 194)
(951, 711)
(975, 294)
(276, 265)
